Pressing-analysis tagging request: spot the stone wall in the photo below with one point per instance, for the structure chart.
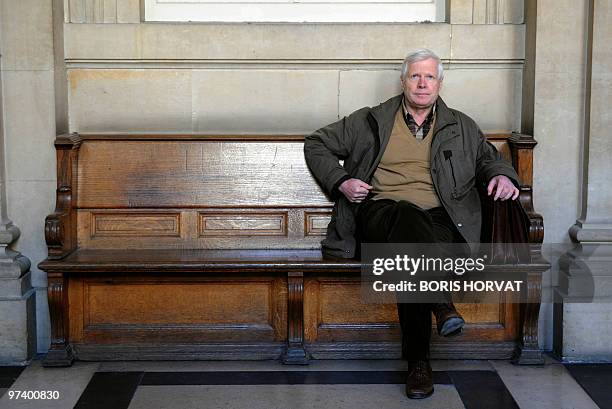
(28, 113)
(277, 78)
(582, 330)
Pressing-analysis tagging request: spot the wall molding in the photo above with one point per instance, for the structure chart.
(290, 42)
(102, 11)
(283, 64)
(487, 11)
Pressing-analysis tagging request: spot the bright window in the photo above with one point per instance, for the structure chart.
(323, 11)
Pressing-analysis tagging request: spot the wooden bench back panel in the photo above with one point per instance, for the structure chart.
(200, 193)
(177, 174)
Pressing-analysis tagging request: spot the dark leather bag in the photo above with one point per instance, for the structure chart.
(505, 231)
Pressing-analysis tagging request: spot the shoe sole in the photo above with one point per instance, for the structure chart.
(452, 326)
(419, 395)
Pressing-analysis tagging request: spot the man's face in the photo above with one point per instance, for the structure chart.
(421, 84)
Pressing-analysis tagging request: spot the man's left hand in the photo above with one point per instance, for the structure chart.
(504, 188)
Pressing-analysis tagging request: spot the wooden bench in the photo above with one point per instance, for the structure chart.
(208, 247)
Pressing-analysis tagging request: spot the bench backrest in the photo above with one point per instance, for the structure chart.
(119, 191)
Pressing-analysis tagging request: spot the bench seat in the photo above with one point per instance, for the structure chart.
(220, 261)
(201, 261)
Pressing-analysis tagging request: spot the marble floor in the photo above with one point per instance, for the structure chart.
(322, 384)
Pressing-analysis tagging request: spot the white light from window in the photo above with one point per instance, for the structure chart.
(315, 11)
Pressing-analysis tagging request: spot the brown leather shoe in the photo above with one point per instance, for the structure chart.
(448, 320)
(419, 384)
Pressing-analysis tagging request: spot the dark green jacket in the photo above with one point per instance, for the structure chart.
(461, 159)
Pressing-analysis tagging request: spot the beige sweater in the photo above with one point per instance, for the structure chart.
(403, 172)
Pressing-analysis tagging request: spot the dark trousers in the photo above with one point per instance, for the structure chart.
(387, 221)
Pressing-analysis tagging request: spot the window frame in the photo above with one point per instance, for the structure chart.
(301, 11)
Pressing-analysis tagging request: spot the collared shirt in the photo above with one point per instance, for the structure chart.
(419, 132)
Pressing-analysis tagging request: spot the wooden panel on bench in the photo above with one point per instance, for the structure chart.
(177, 309)
(210, 228)
(334, 314)
(200, 246)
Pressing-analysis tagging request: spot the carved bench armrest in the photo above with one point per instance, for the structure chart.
(59, 243)
(60, 226)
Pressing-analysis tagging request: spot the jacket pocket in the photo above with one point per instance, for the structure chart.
(460, 171)
(459, 192)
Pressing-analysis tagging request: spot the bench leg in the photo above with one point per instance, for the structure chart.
(296, 353)
(528, 351)
(60, 353)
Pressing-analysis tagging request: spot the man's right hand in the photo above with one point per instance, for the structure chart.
(355, 190)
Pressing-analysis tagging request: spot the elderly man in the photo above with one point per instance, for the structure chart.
(410, 175)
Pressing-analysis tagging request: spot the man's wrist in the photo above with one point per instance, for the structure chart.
(336, 189)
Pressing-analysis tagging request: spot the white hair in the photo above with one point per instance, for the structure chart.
(422, 54)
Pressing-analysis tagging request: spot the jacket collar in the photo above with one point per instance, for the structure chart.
(383, 117)
(444, 116)
(384, 114)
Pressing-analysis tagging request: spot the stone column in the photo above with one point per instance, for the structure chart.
(28, 161)
(583, 330)
(17, 300)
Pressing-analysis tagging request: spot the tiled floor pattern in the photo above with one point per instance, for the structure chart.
(337, 389)
(596, 380)
(320, 385)
(300, 396)
(8, 375)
